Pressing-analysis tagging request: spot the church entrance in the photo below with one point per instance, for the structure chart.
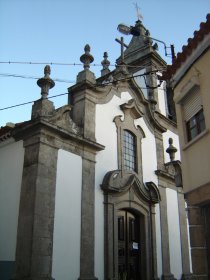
(129, 227)
(129, 250)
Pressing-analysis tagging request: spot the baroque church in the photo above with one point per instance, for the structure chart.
(93, 189)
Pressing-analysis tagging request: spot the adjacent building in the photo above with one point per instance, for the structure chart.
(189, 77)
(93, 190)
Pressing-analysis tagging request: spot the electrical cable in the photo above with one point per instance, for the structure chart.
(98, 85)
(29, 102)
(32, 77)
(72, 64)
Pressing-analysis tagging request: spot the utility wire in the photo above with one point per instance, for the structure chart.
(29, 102)
(32, 77)
(98, 85)
(55, 79)
(71, 64)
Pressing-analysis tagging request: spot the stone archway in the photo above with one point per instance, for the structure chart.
(124, 191)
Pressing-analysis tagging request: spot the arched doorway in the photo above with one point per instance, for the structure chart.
(129, 245)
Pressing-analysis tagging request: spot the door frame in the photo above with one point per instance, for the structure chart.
(131, 195)
(126, 213)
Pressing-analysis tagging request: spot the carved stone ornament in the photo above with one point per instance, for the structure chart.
(86, 58)
(171, 150)
(170, 169)
(105, 63)
(46, 83)
(174, 169)
(62, 119)
(131, 107)
(116, 182)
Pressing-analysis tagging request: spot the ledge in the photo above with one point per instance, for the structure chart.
(194, 140)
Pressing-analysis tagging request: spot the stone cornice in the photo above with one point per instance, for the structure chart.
(166, 122)
(39, 125)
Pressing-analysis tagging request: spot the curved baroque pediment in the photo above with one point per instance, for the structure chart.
(116, 181)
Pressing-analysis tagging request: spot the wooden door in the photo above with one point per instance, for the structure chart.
(128, 246)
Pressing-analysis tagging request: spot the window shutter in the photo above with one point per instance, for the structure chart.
(192, 104)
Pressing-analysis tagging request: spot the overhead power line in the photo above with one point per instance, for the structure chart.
(29, 102)
(45, 63)
(32, 77)
(98, 85)
(72, 64)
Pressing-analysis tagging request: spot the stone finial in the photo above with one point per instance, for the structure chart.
(47, 71)
(46, 83)
(86, 75)
(105, 63)
(86, 58)
(171, 150)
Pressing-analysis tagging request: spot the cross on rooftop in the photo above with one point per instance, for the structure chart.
(139, 15)
(121, 42)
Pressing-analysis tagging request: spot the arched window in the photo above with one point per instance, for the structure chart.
(129, 148)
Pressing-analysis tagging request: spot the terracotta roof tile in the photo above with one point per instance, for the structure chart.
(5, 132)
(187, 49)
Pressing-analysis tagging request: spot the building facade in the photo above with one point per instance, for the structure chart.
(190, 79)
(92, 190)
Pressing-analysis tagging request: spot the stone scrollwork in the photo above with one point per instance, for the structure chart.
(61, 118)
(117, 182)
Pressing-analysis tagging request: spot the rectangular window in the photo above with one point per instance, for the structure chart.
(129, 151)
(195, 125)
(193, 113)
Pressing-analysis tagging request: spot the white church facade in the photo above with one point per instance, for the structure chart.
(92, 190)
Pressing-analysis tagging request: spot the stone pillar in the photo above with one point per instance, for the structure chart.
(87, 221)
(165, 236)
(196, 217)
(109, 242)
(153, 239)
(207, 223)
(152, 91)
(183, 236)
(80, 96)
(36, 212)
(159, 150)
(83, 112)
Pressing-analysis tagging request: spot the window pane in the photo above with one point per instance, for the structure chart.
(129, 151)
(195, 125)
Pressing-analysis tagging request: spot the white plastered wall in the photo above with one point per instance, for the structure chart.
(149, 156)
(106, 134)
(174, 233)
(162, 99)
(11, 168)
(149, 162)
(67, 224)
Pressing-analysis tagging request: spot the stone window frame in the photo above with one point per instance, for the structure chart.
(131, 112)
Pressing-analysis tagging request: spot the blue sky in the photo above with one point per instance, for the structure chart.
(57, 31)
